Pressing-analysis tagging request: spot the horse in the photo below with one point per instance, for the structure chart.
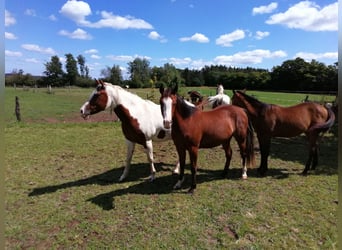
(270, 120)
(192, 128)
(220, 98)
(141, 120)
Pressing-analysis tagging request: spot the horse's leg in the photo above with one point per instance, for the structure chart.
(181, 156)
(193, 152)
(313, 154)
(130, 150)
(176, 169)
(228, 152)
(149, 153)
(264, 144)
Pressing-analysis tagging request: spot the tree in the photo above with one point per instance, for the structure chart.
(140, 72)
(81, 62)
(54, 72)
(112, 74)
(71, 69)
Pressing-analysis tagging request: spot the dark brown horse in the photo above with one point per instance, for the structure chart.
(271, 120)
(193, 128)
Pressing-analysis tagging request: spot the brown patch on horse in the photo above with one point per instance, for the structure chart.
(161, 134)
(130, 126)
(98, 102)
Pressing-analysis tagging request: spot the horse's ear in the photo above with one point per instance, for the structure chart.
(161, 89)
(175, 89)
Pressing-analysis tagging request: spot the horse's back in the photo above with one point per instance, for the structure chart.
(294, 120)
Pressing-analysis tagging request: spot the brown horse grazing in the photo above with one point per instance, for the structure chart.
(271, 120)
(192, 128)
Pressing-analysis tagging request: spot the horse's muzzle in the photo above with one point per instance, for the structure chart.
(167, 124)
(84, 115)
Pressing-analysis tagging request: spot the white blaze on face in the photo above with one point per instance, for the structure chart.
(167, 112)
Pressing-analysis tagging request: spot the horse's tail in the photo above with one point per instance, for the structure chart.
(250, 144)
(324, 127)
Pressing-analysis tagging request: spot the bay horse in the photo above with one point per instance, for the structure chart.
(192, 128)
(220, 98)
(270, 120)
(141, 120)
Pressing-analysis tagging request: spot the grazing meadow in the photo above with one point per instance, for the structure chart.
(62, 189)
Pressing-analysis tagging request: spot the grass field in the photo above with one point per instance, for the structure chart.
(62, 191)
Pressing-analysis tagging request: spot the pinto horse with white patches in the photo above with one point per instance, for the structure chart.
(141, 120)
(220, 98)
(192, 129)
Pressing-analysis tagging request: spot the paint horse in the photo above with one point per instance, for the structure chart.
(271, 120)
(192, 128)
(141, 120)
(220, 98)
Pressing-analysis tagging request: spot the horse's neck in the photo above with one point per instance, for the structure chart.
(183, 109)
(256, 107)
(118, 95)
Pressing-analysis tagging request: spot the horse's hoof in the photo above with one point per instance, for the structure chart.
(305, 173)
(261, 172)
(122, 178)
(244, 177)
(175, 172)
(152, 177)
(191, 190)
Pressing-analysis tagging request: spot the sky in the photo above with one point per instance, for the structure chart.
(186, 33)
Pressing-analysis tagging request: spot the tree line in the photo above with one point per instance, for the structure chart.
(295, 74)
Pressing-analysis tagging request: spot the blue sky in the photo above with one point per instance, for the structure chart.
(185, 33)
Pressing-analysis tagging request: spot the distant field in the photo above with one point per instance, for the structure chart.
(62, 190)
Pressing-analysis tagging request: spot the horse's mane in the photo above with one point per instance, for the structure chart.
(132, 96)
(251, 99)
(186, 110)
(260, 106)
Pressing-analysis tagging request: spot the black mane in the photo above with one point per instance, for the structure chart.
(184, 109)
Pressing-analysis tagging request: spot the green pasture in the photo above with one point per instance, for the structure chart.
(62, 191)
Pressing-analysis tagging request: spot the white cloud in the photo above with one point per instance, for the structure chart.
(126, 58)
(265, 8)
(109, 20)
(95, 56)
(79, 10)
(52, 18)
(10, 36)
(77, 34)
(91, 51)
(9, 19)
(30, 12)
(307, 15)
(317, 56)
(261, 34)
(37, 48)
(187, 62)
(249, 57)
(227, 39)
(13, 53)
(76, 11)
(197, 37)
(32, 60)
(154, 35)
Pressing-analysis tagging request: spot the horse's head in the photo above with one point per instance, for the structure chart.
(168, 102)
(219, 89)
(98, 101)
(237, 99)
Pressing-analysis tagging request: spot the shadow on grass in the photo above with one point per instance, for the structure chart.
(161, 185)
(106, 178)
(296, 150)
(164, 185)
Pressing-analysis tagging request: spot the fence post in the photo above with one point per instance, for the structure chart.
(17, 109)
